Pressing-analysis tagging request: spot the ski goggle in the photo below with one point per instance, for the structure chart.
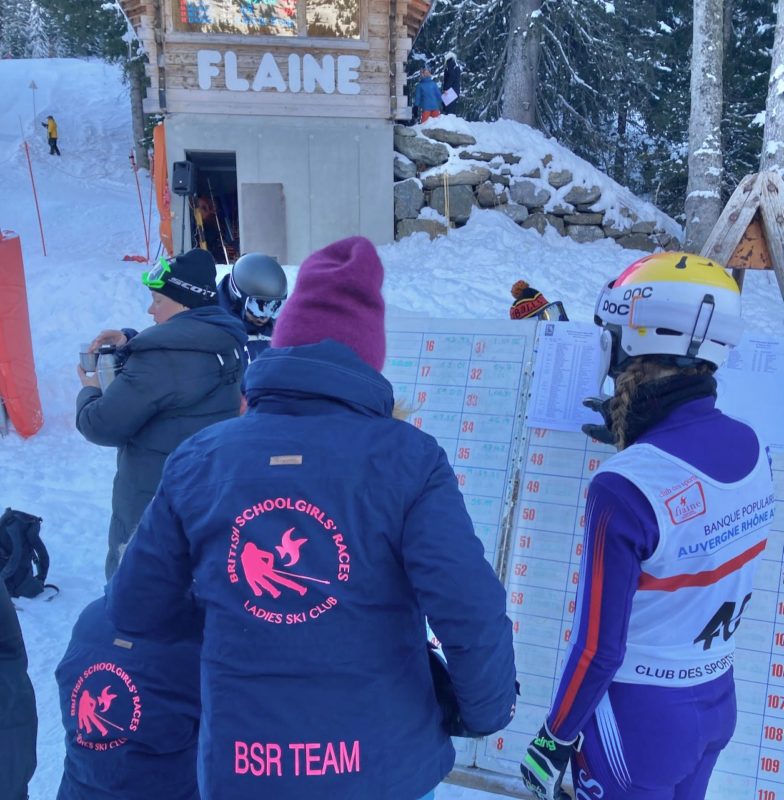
(262, 308)
(552, 312)
(158, 275)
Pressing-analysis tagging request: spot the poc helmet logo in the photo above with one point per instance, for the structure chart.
(630, 294)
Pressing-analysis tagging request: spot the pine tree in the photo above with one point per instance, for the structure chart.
(772, 156)
(13, 37)
(37, 33)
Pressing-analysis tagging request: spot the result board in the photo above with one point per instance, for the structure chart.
(503, 399)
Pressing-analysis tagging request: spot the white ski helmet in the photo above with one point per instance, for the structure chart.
(681, 306)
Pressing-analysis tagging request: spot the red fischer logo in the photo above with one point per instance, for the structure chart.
(686, 504)
(265, 544)
(106, 704)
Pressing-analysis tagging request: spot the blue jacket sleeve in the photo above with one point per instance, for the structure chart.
(145, 595)
(620, 533)
(463, 600)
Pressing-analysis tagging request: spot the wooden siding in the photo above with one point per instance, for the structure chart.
(388, 30)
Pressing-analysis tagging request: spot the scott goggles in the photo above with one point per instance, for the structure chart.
(158, 275)
(262, 308)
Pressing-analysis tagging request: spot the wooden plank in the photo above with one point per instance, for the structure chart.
(752, 250)
(734, 220)
(249, 103)
(772, 213)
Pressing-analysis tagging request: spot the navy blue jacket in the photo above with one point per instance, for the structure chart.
(427, 96)
(258, 336)
(130, 709)
(320, 532)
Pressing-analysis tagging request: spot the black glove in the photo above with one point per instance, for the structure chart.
(544, 765)
(602, 433)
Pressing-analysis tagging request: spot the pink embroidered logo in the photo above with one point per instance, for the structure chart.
(101, 723)
(686, 504)
(266, 545)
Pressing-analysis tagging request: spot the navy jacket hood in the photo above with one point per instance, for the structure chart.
(327, 369)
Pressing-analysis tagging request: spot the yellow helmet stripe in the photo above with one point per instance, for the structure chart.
(675, 268)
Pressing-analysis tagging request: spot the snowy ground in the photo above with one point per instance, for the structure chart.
(91, 218)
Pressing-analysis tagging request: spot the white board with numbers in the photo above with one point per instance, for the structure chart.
(468, 383)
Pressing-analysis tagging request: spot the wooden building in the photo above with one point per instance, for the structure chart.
(285, 108)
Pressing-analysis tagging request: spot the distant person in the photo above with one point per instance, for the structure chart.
(427, 98)
(451, 83)
(130, 708)
(646, 699)
(530, 303)
(320, 532)
(51, 132)
(18, 719)
(178, 376)
(254, 292)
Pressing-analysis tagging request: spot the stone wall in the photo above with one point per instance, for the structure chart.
(433, 187)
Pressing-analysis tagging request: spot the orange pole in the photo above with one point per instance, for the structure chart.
(35, 196)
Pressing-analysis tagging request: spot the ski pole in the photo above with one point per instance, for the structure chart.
(217, 220)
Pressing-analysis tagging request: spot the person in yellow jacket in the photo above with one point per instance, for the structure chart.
(51, 132)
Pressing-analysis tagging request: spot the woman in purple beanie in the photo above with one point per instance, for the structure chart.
(320, 531)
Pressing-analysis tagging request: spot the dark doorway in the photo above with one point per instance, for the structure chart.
(214, 209)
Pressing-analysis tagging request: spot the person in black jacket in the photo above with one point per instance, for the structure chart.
(130, 708)
(179, 376)
(18, 718)
(451, 81)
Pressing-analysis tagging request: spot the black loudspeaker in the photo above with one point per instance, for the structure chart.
(184, 178)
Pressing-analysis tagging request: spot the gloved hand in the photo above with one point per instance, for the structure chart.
(602, 433)
(544, 765)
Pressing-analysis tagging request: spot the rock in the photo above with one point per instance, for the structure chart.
(510, 158)
(450, 137)
(517, 212)
(409, 199)
(468, 155)
(644, 227)
(404, 130)
(673, 245)
(533, 173)
(487, 197)
(547, 159)
(461, 202)
(422, 150)
(584, 233)
(584, 219)
(466, 177)
(611, 232)
(528, 193)
(499, 178)
(432, 227)
(560, 177)
(636, 241)
(561, 210)
(403, 167)
(663, 240)
(557, 223)
(584, 195)
(536, 221)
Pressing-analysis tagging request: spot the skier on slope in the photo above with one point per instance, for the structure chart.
(322, 688)
(130, 709)
(254, 292)
(646, 701)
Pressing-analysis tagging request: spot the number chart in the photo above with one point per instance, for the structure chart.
(488, 391)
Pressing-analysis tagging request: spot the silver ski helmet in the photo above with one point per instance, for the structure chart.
(260, 283)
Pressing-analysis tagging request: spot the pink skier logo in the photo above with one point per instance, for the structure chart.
(89, 718)
(97, 714)
(270, 537)
(686, 504)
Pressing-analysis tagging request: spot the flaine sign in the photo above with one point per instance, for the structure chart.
(305, 73)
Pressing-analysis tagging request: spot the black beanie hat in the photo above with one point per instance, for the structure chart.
(191, 281)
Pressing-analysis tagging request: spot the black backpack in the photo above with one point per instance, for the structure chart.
(24, 561)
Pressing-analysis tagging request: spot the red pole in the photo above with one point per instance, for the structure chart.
(35, 196)
(141, 203)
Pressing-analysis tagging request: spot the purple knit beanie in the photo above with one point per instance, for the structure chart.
(338, 296)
